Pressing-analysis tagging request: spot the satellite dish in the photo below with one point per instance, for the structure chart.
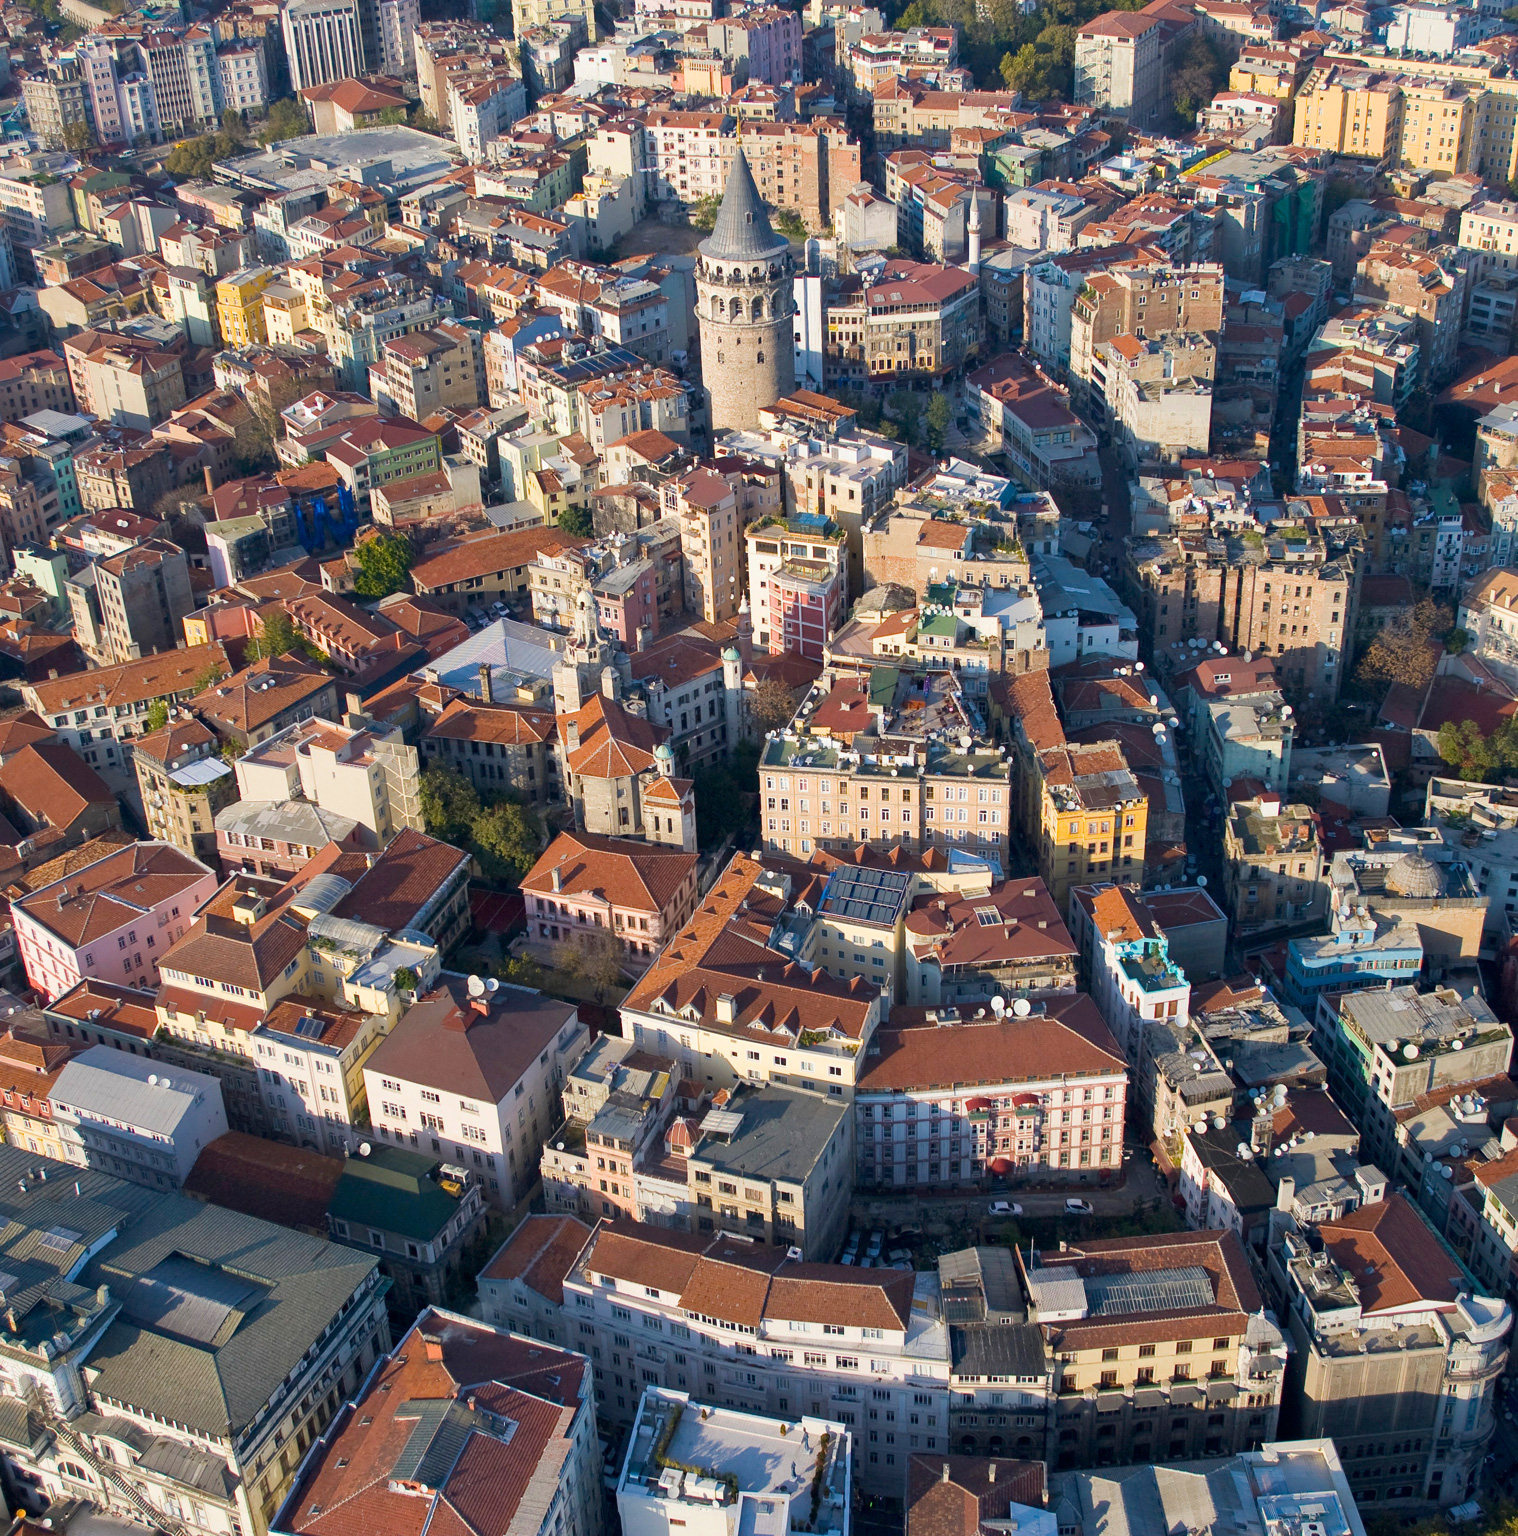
(1410, 1051)
(364, 1149)
(1138, 666)
(491, 984)
(1447, 1171)
(153, 1079)
(1201, 880)
(1219, 1123)
(476, 987)
(998, 1005)
(1022, 1007)
(1200, 1127)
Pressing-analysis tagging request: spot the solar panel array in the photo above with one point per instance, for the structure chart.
(865, 895)
(1150, 1290)
(309, 1028)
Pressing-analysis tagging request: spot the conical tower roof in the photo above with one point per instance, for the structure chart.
(742, 231)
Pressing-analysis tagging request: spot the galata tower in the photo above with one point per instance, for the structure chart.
(746, 304)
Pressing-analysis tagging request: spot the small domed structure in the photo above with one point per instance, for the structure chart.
(1415, 877)
(731, 654)
(663, 753)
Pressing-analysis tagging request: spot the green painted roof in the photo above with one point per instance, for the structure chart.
(883, 682)
(940, 624)
(391, 1190)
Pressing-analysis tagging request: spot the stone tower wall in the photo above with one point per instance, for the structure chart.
(748, 360)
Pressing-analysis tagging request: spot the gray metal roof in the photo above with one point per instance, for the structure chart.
(107, 1084)
(998, 1349)
(285, 821)
(742, 231)
(782, 1135)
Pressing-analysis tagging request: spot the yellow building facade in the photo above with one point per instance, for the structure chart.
(239, 306)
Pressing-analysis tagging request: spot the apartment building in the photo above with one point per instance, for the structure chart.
(146, 1440)
(496, 745)
(532, 1457)
(1396, 1354)
(1487, 231)
(184, 782)
(369, 776)
(813, 1327)
(797, 583)
(965, 947)
(1128, 966)
(1429, 287)
(707, 1441)
(795, 1028)
(127, 380)
(585, 885)
(144, 594)
(1119, 66)
(1091, 816)
(120, 1114)
(441, 368)
(323, 41)
(710, 541)
(1139, 299)
(912, 320)
(34, 381)
(1189, 1369)
(113, 919)
(1350, 110)
(861, 771)
(29, 1066)
(481, 1067)
(944, 1100)
(1388, 1046)
(1274, 867)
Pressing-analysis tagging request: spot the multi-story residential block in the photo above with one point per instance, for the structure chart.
(144, 594)
(1350, 110)
(482, 1067)
(1487, 231)
(369, 776)
(526, 1415)
(267, 697)
(964, 948)
(1126, 961)
(29, 1066)
(1091, 816)
(944, 1100)
(1190, 1369)
(795, 1028)
(706, 1441)
(184, 782)
(439, 368)
(1428, 286)
(127, 380)
(113, 919)
(766, 1164)
(1119, 65)
(585, 885)
(798, 583)
(34, 381)
(114, 1238)
(882, 775)
(910, 320)
(803, 1366)
(1273, 863)
(323, 41)
(1387, 1047)
(1381, 1274)
(121, 1115)
(522, 1287)
(496, 745)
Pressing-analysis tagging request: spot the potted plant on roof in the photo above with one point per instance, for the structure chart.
(406, 983)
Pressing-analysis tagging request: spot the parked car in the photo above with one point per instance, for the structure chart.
(1005, 1208)
(877, 1242)
(1074, 1207)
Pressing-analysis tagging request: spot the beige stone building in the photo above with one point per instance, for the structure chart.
(184, 783)
(711, 539)
(1142, 300)
(441, 368)
(129, 381)
(496, 744)
(1349, 110)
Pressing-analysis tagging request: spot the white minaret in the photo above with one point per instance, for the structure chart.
(974, 235)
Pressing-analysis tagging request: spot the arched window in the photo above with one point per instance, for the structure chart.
(735, 308)
(756, 310)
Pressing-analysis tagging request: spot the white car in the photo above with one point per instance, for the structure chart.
(1005, 1208)
(1074, 1207)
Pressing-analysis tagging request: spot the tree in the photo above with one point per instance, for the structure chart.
(788, 222)
(158, 716)
(940, 413)
(719, 811)
(523, 970)
(276, 636)
(209, 677)
(79, 138)
(383, 562)
(907, 409)
(594, 957)
(703, 215)
(287, 120)
(770, 706)
(232, 122)
(506, 841)
(425, 122)
(450, 804)
(1406, 650)
(577, 522)
(392, 115)
(1456, 641)
(1197, 76)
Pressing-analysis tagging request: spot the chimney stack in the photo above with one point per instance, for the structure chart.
(487, 683)
(210, 480)
(946, 1472)
(557, 876)
(991, 1472)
